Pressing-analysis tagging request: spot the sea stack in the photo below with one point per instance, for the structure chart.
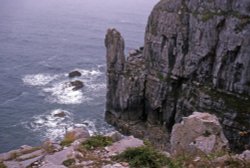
(196, 57)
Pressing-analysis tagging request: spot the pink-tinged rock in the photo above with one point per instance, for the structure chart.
(51, 165)
(58, 157)
(116, 136)
(245, 156)
(30, 155)
(122, 145)
(198, 132)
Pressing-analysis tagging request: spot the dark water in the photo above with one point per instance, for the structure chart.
(40, 42)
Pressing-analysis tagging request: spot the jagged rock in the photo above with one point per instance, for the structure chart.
(195, 58)
(74, 74)
(198, 132)
(76, 85)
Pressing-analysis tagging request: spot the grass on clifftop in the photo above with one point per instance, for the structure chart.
(97, 141)
(69, 162)
(144, 156)
(2, 165)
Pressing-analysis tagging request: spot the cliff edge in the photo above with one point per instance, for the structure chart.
(196, 57)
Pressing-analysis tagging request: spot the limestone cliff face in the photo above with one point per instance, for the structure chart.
(196, 57)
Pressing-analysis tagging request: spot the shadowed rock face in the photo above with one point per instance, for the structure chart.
(196, 57)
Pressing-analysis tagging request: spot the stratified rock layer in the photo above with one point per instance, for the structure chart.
(196, 57)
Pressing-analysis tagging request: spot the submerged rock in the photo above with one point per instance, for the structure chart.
(76, 85)
(74, 74)
(60, 114)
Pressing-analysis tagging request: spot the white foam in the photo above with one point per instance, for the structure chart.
(51, 126)
(38, 79)
(62, 93)
(90, 125)
(90, 73)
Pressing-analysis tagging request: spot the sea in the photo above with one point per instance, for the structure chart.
(41, 41)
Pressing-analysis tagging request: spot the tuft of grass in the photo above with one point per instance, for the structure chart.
(68, 139)
(69, 162)
(2, 165)
(97, 141)
(144, 156)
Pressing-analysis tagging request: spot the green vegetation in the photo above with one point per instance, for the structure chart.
(97, 141)
(160, 76)
(207, 16)
(144, 156)
(2, 165)
(69, 162)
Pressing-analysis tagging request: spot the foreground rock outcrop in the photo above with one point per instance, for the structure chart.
(199, 132)
(195, 58)
(73, 154)
(197, 142)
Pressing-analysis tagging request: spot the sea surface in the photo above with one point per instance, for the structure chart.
(41, 41)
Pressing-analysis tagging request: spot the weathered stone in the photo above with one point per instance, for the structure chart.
(58, 157)
(117, 165)
(50, 147)
(198, 132)
(245, 156)
(116, 136)
(74, 74)
(30, 155)
(122, 145)
(51, 165)
(79, 133)
(195, 58)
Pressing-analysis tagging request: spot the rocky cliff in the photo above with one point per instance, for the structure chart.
(196, 57)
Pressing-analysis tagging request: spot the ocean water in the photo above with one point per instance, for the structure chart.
(41, 41)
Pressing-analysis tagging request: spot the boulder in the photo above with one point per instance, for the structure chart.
(200, 132)
(74, 74)
(115, 135)
(76, 85)
(123, 144)
(79, 133)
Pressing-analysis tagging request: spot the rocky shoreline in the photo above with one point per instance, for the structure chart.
(198, 140)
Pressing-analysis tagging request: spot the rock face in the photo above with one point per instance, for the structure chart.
(195, 58)
(198, 132)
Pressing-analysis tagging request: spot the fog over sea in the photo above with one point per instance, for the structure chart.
(41, 41)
